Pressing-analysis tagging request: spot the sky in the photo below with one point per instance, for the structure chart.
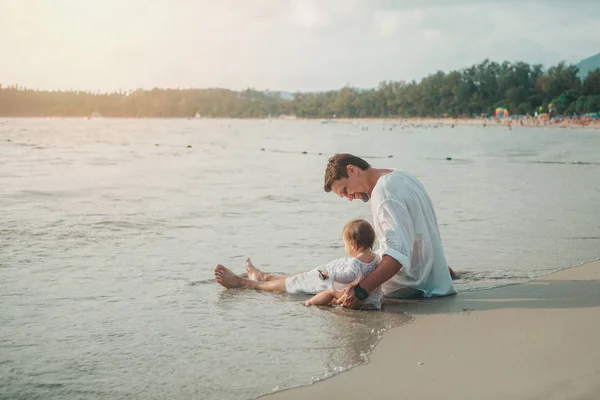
(288, 45)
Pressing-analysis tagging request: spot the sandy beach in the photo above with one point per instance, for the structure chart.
(532, 341)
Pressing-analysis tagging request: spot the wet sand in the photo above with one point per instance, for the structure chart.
(537, 340)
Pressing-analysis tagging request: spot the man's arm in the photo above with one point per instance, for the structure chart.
(387, 268)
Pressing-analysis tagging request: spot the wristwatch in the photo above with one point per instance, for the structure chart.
(360, 293)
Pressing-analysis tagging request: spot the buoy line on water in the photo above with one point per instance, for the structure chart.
(315, 154)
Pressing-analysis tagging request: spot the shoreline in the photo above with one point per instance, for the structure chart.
(528, 123)
(536, 340)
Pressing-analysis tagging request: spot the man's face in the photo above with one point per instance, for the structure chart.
(351, 187)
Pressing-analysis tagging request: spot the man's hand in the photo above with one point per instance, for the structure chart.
(348, 299)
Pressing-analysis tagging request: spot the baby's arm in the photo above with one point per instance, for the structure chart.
(345, 274)
(321, 299)
(348, 273)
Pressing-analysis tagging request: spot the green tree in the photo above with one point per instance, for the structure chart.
(591, 84)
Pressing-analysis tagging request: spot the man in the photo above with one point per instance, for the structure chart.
(413, 261)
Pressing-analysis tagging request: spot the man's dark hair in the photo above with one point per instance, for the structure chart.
(337, 168)
(360, 234)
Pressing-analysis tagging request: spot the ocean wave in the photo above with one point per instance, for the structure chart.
(476, 280)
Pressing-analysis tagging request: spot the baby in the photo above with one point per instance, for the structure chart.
(359, 237)
(327, 281)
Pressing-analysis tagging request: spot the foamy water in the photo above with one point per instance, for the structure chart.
(110, 230)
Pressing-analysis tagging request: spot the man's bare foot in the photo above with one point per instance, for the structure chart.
(226, 278)
(254, 273)
(307, 303)
(453, 274)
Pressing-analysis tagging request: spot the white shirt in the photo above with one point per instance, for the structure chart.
(407, 230)
(345, 271)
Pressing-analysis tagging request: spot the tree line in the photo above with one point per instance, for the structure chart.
(473, 91)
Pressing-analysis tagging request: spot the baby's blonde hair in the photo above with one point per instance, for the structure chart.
(359, 233)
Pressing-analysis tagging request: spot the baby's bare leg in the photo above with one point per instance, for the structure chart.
(321, 299)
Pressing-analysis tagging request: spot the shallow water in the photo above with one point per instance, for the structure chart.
(110, 230)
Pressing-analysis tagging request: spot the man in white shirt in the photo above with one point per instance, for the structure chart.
(413, 261)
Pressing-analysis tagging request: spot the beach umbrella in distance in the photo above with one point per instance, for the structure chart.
(501, 112)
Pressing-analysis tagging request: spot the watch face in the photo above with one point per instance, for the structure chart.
(360, 293)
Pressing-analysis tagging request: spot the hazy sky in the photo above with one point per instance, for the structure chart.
(279, 44)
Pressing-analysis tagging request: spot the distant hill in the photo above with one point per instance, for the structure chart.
(588, 65)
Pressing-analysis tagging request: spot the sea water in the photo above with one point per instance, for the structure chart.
(110, 229)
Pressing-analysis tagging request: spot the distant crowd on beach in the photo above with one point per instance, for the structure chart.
(542, 120)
